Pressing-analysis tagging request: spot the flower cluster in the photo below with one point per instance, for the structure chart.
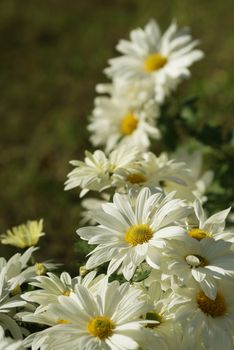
(160, 269)
(150, 68)
(125, 169)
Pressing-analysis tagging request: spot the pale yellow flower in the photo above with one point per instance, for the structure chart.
(40, 269)
(25, 235)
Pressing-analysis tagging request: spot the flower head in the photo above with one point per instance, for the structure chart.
(209, 322)
(158, 171)
(52, 286)
(163, 60)
(202, 227)
(25, 235)
(205, 262)
(87, 321)
(11, 278)
(132, 229)
(117, 120)
(98, 170)
(164, 329)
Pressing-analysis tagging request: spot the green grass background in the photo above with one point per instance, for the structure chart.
(52, 53)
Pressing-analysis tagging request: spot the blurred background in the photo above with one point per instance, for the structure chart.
(52, 53)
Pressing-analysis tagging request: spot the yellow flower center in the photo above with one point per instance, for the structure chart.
(128, 124)
(136, 178)
(154, 62)
(196, 260)
(153, 316)
(63, 321)
(138, 234)
(101, 327)
(67, 293)
(214, 308)
(198, 234)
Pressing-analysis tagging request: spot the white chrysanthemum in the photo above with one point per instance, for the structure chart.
(159, 171)
(8, 304)
(14, 273)
(132, 229)
(51, 287)
(23, 236)
(166, 329)
(7, 343)
(172, 175)
(92, 174)
(17, 270)
(206, 262)
(109, 320)
(116, 121)
(208, 323)
(97, 171)
(202, 227)
(149, 56)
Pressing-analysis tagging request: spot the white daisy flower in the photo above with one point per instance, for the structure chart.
(14, 273)
(176, 176)
(202, 227)
(52, 286)
(166, 329)
(17, 270)
(91, 174)
(159, 171)
(8, 304)
(109, 320)
(132, 230)
(149, 56)
(97, 171)
(116, 120)
(208, 322)
(205, 262)
(7, 343)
